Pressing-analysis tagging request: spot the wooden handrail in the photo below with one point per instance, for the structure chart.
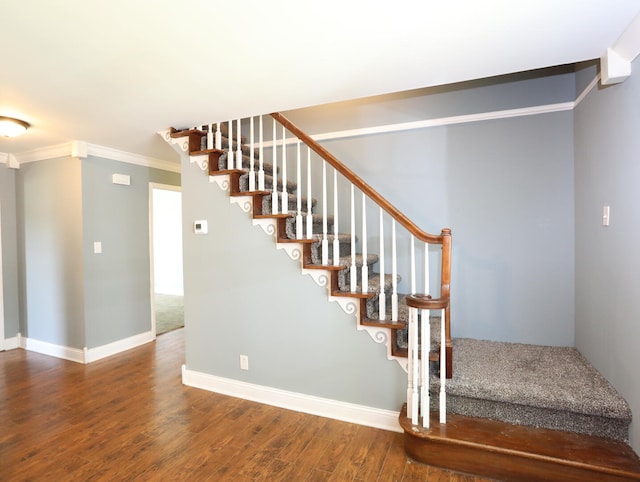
(360, 184)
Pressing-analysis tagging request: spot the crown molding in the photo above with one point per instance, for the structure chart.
(82, 150)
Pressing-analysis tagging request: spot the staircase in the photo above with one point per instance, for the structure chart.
(515, 412)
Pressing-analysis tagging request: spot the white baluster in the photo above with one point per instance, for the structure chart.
(424, 367)
(409, 368)
(210, 137)
(218, 137)
(252, 172)
(285, 193)
(309, 200)
(299, 194)
(426, 345)
(325, 241)
(354, 270)
(443, 371)
(365, 267)
(274, 195)
(394, 273)
(382, 298)
(336, 243)
(239, 151)
(415, 364)
(413, 266)
(230, 163)
(261, 155)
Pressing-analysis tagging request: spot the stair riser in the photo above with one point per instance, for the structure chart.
(292, 203)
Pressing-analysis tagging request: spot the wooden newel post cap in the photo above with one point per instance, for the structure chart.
(425, 302)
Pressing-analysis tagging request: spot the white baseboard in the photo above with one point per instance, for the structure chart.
(11, 343)
(94, 354)
(58, 351)
(86, 355)
(323, 407)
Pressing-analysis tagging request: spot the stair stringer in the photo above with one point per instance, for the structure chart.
(321, 277)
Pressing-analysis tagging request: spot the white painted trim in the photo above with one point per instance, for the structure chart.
(586, 91)
(11, 343)
(83, 149)
(94, 354)
(322, 407)
(58, 351)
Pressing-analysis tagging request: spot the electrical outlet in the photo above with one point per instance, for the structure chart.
(244, 362)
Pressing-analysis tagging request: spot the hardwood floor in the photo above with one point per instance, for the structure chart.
(128, 417)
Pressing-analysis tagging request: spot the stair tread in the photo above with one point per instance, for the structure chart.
(521, 446)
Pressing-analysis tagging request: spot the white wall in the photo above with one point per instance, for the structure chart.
(167, 241)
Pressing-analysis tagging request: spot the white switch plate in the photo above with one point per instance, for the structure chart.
(97, 247)
(244, 362)
(605, 215)
(200, 227)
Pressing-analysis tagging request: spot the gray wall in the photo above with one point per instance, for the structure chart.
(9, 251)
(243, 297)
(71, 296)
(607, 172)
(117, 282)
(50, 221)
(505, 188)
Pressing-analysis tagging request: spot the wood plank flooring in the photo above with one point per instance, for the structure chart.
(128, 417)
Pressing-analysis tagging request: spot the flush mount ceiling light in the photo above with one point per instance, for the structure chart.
(10, 127)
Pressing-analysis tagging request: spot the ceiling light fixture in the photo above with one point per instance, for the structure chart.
(10, 127)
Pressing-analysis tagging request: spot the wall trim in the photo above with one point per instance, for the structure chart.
(97, 353)
(51, 349)
(82, 150)
(85, 355)
(11, 343)
(322, 407)
(451, 120)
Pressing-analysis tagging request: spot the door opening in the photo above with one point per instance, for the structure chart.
(167, 293)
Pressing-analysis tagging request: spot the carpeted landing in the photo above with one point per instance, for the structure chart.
(169, 312)
(540, 386)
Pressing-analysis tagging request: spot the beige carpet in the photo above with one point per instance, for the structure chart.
(169, 312)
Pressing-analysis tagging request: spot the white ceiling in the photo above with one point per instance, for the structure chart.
(114, 72)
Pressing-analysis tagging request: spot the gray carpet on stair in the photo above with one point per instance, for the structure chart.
(542, 386)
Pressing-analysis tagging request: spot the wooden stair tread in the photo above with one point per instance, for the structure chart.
(517, 452)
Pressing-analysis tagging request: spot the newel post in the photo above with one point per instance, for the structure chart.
(445, 291)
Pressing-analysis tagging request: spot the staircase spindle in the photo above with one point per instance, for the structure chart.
(415, 365)
(382, 297)
(261, 160)
(252, 172)
(218, 137)
(298, 193)
(210, 136)
(365, 266)
(353, 280)
(325, 241)
(239, 151)
(443, 370)
(425, 347)
(336, 243)
(230, 162)
(413, 266)
(285, 192)
(394, 273)
(309, 200)
(274, 194)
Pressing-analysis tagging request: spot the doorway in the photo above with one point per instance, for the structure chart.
(167, 293)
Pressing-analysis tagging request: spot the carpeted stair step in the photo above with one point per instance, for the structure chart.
(293, 200)
(317, 221)
(267, 167)
(268, 185)
(316, 247)
(540, 386)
